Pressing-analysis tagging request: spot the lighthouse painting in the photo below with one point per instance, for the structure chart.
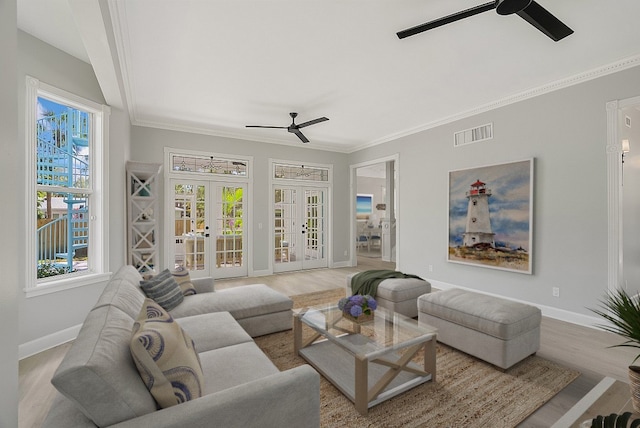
(490, 216)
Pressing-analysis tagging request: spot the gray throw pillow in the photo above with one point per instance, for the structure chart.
(163, 289)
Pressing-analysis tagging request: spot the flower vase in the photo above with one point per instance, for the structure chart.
(360, 318)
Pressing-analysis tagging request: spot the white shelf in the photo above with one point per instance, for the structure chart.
(142, 235)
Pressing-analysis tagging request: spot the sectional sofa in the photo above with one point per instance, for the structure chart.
(99, 384)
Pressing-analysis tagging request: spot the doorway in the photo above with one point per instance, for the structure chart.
(208, 233)
(375, 222)
(300, 227)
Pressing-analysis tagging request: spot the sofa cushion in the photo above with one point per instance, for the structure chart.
(166, 357)
(213, 331)
(98, 373)
(242, 302)
(182, 277)
(234, 365)
(163, 289)
(123, 291)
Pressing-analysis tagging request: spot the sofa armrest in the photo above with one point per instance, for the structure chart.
(285, 399)
(203, 285)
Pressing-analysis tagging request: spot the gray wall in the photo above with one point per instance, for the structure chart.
(565, 131)
(51, 313)
(148, 146)
(9, 258)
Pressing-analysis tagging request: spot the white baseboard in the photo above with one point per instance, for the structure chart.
(47, 342)
(346, 263)
(547, 311)
(264, 272)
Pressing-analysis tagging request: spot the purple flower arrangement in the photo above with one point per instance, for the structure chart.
(357, 305)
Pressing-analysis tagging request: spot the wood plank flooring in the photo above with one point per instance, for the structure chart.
(577, 347)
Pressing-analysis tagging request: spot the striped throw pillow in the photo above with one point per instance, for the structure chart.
(163, 289)
(181, 275)
(165, 356)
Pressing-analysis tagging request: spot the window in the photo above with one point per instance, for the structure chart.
(65, 199)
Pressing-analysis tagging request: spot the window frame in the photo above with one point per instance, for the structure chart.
(98, 250)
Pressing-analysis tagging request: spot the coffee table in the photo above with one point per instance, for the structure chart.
(368, 362)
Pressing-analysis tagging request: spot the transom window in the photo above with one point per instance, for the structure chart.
(208, 165)
(299, 172)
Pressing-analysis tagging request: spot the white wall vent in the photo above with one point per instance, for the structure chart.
(473, 135)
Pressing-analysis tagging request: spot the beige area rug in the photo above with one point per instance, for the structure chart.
(468, 392)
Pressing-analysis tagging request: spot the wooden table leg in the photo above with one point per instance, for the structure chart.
(430, 358)
(361, 386)
(297, 333)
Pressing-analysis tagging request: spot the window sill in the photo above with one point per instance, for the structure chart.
(54, 286)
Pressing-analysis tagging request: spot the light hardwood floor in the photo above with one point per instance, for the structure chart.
(581, 348)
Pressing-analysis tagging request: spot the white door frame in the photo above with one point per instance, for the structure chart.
(168, 253)
(354, 190)
(328, 185)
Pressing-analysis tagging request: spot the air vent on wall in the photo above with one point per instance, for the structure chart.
(473, 135)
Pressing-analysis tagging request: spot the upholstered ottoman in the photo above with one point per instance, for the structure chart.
(499, 331)
(398, 294)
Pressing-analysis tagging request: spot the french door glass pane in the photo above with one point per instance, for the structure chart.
(189, 207)
(285, 222)
(229, 226)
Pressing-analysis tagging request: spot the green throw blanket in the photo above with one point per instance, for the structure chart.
(366, 283)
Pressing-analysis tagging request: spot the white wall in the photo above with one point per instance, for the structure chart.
(9, 258)
(49, 315)
(565, 131)
(631, 200)
(148, 146)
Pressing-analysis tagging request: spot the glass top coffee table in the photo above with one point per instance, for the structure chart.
(368, 362)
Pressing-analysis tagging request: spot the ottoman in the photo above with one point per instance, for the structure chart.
(496, 330)
(398, 294)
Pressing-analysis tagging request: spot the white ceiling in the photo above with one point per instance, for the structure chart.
(215, 66)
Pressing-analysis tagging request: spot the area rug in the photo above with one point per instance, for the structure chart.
(468, 392)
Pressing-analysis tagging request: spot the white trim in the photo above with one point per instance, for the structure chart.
(47, 342)
(582, 406)
(353, 192)
(99, 193)
(614, 197)
(66, 283)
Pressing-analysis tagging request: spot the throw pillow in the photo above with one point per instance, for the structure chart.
(164, 289)
(181, 275)
(165, 357)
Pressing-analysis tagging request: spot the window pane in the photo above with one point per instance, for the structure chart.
(63, 145)
(62, 234)
(63, 160)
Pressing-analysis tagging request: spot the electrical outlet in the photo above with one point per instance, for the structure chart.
(555, 291)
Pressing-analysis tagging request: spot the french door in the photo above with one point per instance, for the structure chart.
(300, 228)
(209, 238)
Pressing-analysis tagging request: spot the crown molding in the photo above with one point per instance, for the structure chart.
(576, 79)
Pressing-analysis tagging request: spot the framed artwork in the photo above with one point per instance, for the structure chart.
(364, 206)
(490, 216)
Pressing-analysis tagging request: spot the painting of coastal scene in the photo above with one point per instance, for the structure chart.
(490, 216)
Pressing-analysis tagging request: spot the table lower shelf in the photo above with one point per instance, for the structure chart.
(338, 366)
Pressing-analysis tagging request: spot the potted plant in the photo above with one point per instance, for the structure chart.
(623, 313)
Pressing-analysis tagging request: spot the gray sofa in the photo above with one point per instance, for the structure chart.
(99, 384)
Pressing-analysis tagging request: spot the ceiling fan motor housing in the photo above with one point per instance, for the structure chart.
(508, 7)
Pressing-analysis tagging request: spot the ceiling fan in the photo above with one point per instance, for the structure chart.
(528, 10)
(294, 128)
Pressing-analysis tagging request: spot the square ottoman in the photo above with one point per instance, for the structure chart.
(499, 331)
(398, 294)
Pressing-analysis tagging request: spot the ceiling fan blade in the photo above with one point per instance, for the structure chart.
(300, 135)
(544, 21)
(260, 126)
(312, 122)
(446, 20)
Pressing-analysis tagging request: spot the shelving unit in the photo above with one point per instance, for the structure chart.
(142, 220)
